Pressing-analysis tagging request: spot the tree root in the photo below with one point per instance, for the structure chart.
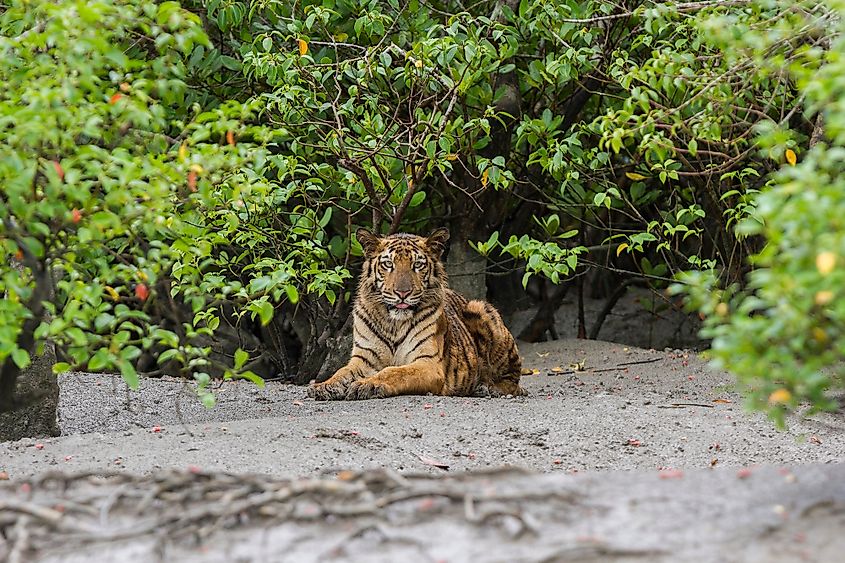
(94, 508)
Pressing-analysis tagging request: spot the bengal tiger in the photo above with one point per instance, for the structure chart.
(413, 335)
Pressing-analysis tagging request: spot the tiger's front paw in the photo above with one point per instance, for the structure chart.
(329, 390)
(367, 389)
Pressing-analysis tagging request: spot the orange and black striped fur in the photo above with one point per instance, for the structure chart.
(413, 335)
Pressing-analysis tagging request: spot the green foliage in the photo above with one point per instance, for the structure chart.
(783, 334)
(106, 163)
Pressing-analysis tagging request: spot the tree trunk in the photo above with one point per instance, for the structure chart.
(36, 398)
(29, 397)
(467, 269)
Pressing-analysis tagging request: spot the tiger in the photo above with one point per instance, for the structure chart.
(412, 335)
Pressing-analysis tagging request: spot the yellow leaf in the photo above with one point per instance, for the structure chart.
(183, 151)
(451, 156)
(635, 177)
(341, 37)
(557, 369)
(196, 168)
(578, 366)
(722, 309)
(819, 334)
(823, 297)
(790, 157)
(112, 293)
(780, 397)
(620, 248)
(484, 176)
(303, 47)
(825, 262)
(142, 275)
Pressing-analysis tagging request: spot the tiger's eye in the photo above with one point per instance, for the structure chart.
(419, 265)
(387, 263)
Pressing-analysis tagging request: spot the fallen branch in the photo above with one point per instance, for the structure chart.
(684, 405)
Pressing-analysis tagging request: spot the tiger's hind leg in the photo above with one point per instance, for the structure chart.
(496, 348)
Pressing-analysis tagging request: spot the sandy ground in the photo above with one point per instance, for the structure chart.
(629, 409)
(709, 481)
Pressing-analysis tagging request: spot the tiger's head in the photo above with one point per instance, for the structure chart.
(404, 271)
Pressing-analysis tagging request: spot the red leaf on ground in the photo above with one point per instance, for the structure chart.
(194, 469)
(345, 475)
(428, 406)
(634, 442)
(156, 429)
(426, 504)
(39, 446)
(557, 461)
(744, 473)
(671, 474)
(433, 462)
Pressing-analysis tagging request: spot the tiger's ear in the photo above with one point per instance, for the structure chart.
(370, 242)
(437, 240)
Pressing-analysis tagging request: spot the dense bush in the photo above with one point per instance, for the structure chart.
(105, 160)
(784, 333)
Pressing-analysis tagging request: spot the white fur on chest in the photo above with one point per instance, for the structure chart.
(406, 353)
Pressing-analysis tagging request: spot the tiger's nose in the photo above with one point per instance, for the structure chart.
(403, 294)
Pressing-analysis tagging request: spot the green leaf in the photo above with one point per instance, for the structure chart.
(21, 358)
(265, 311)
(100, 360)
(241, 358)
(130, 376)
(248, 375)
